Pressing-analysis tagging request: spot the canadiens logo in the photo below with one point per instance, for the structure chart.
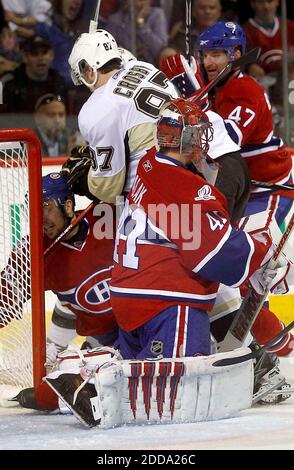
(147, 166)
(204, 194)
(231, 25)
(93, 294)
(54, 176)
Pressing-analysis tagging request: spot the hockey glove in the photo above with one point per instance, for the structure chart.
(79, 162)
(77, 167)
(277, 279)
(185, 77)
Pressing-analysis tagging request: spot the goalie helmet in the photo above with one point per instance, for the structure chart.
(226, 35)
(55, 187)
(91, 50)
(184, 126)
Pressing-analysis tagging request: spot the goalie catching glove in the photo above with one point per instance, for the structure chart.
(186, 78)
(77, 167)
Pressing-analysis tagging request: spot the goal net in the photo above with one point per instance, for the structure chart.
(22, 330)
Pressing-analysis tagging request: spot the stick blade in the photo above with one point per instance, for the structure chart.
(230, 361)
(249, 58)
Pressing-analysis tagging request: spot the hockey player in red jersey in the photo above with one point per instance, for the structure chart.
(163, 285)
(244, 105)
(78, 271)
(84, 291)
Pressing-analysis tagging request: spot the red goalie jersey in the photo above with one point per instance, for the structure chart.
(177, 257)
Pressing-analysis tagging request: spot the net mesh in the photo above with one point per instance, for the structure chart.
(15, 285)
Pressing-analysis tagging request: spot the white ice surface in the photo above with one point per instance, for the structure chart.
(261, 427)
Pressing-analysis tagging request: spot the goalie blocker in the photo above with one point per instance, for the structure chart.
(110, 392)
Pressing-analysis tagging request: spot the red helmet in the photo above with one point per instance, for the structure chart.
(183, 125)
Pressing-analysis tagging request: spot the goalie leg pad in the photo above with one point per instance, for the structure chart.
(160, 391)
(186, 390)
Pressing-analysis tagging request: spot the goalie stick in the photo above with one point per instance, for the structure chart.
(252, 303)
(249, 58)
(254, 354)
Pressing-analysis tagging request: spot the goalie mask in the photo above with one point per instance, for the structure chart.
(182, 125)
(55, 187)
(91, 50)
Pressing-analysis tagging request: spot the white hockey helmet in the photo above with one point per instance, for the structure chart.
(94, 50)
(126, 55)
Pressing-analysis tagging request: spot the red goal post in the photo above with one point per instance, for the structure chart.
(21, 218)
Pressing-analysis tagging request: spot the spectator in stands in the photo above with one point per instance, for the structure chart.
(67, 25)
(50, 120)
(23, 14)
(32, 78)
(204, 14)
(10, 55)
(230, 10)
(51, 127)
(264, 30)
(151, 29)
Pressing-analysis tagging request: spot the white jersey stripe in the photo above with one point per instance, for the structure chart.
(177, 332)
(184, 295)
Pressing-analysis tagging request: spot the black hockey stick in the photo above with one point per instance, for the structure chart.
(229, 361)
(94, 23)
(189, 50)
(249, 58)
(277, 186)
